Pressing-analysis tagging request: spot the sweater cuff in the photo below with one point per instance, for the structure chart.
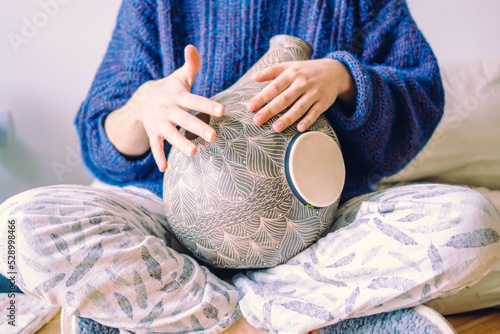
(364, 96)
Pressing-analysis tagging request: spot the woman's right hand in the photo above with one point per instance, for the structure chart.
(156, 108)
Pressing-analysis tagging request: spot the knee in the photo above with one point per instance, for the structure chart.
(23, 203)
(446, 203)
(478, 241)
(475, 217)
(23, 209)
(479, 211)
(458, 219)
(12, 226)
(26, 219)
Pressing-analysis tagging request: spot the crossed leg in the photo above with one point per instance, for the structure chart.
(389, 250)
(107, 255)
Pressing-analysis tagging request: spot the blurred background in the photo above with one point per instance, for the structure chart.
(50, 51)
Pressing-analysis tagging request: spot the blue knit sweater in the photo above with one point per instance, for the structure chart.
(400, 96)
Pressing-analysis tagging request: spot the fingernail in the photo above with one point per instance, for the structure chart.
(218, 110)
(188, 149)
(259, 120)
(252, 105)
(301, 127)
(208, 134)
(279, 126)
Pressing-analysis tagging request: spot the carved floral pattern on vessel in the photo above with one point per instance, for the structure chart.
(230, 204)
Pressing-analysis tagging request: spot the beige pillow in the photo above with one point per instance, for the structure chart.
(465, 148)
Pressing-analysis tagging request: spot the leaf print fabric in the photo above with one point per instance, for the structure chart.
(309, 309)
(418, 249)
(397, 283)
(35, 265)
(153, 266)
(85, 266)
(49, 284)
(344, 261)
(124, 305)
(478, 238)
(317, 276)
(389, 250)
(405, 260)
(350, 302)
(394, 233)
(140, 290)
(116, 268)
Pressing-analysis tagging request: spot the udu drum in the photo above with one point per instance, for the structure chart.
(254, 197)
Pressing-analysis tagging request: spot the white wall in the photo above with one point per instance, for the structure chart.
(44, 82)
(459, 29)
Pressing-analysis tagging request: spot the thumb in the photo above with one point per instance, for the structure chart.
(191, 66)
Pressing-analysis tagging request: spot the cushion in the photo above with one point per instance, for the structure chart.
(465, 148)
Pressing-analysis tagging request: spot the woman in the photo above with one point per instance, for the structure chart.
(108, 254)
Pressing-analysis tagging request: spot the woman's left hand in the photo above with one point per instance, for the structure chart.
(313, 85)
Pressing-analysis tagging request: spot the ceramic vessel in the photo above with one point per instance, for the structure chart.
(255, 198)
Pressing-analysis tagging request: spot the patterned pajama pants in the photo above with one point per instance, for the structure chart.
(108, 255)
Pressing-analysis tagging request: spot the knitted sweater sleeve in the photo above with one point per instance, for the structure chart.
(400, 97)
(132, 59)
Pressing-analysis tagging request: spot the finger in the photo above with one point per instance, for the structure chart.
(176, 139)
(300, 107)
(156, 143)
(312, 115)
(269, 92)
(191, 66)
(280, 103)
(271, 73)
(193, 124)
(201, 104)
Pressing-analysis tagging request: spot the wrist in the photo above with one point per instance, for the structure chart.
(132, 114)
(132, 109)
(126, 132)
(347, 88)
